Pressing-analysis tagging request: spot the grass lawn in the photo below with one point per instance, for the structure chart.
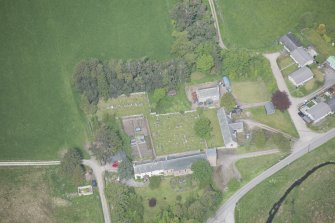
(309, 87)
(216, 139)
(250, 91)
(175, 133)
(250, 168)
(38, 195)
(173, 104)
(270, 20)
(41, 41)
(166, 195)
(125, 105)
(312, 201)
(312, 37)
(199, 78)
(325, 125)
(279, 120)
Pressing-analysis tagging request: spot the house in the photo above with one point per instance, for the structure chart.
(331, 104)
(169, 165)
(289, 42)
(229, 129)
(318, 111)
(331, 61)
(208, 94)
(301, 76)
(301, 57)
(269, 108)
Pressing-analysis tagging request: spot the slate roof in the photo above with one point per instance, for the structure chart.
(319, 110)
(301, 56)
(208, 92)
(290, 42)
(168, 163)
(228, 127)
(331, 103)
(301, 75)
(269, 108)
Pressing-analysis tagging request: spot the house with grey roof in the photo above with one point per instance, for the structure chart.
(269, 108)
(319, 111)
(289, 42)
(301, 76)
(301, 57)
(208, 94)
(172, 165)
(229, 129)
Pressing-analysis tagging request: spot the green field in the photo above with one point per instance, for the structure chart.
(279, 120)
(312, 201)
(250, 91)
(42, 40)
(257, 24)
(38, 195)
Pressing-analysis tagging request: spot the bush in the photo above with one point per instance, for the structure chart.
(155, 182)
(203, 128)
(228, 102)
(202, 172)
(152, 202)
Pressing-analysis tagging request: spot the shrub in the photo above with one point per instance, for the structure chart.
(152, 202)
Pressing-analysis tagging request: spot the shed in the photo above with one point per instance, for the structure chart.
(172, 93)
(301, 57)
(331, 103)
(289, 42)
(331, 61)
(269, 108)
(301, 76)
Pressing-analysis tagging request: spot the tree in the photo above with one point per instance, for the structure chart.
(127, 205)
(280, 100)
(71, 167)
(203, 128)
(158, 95)
(228, 102)
(205, 63)
(155, 182)
(202, 172)
(125, 170)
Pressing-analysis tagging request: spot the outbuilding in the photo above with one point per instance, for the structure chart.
(331, 61)
(269, 108)
(208, 94)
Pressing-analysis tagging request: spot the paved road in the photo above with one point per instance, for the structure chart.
(97, 170)
(253, 123)
(216, 23)
(226, 211)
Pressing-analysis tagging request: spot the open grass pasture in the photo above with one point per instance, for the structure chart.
(257, 24)
(279, 120)
(311, 201)
(41, 41)
(250, 91)
(38, 195)
(134, 104)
